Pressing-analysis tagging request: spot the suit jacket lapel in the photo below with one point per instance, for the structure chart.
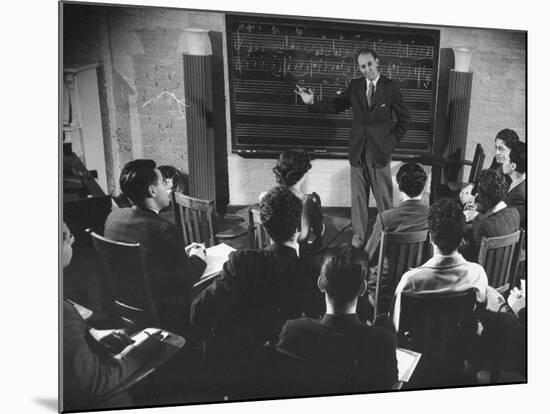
(363, 93)
(380, 90)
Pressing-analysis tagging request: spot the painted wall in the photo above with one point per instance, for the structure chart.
(142, 93)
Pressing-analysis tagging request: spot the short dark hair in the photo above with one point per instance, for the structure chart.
(491, 188)
(291, 167)
(343, 270)
(518, 156)
(135, 179)
(508, 136)
(179, 182)
(447, 224)
(281, 213)
(366, 51)
(411, 179)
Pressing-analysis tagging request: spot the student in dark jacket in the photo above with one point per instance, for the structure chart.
(515, 167)
(496, 218)
(91, 376)
(338, 353)
(257, 291)
(410, 215)
(173, 267)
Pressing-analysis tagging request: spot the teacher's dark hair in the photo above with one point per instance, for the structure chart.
(411, 179)
(291, 167)
(135, 179)
(281, 213)
(366, 51)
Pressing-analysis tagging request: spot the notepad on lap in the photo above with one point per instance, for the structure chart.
(216, 256)
(406, 363)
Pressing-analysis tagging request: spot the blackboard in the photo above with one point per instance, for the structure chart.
(269, 56)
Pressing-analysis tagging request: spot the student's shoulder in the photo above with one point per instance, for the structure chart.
(381, 336)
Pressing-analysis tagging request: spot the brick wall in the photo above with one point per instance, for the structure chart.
(142, 84)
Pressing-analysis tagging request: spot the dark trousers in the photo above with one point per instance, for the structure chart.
(363, 177)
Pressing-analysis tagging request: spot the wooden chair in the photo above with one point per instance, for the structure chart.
(401, 251)
(196, 219)
(441, 328)
(499, 257)
(257, 234)
(125, 266)
(476, 165)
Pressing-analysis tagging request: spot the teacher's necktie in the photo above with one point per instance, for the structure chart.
(370, 91)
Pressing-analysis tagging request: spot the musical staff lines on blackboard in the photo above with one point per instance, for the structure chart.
(269, 56)
(283, 66)
(270, 132)
(251, 43)
(301, 111)
(321, 89)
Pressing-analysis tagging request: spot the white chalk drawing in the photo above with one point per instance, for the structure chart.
(181, 102)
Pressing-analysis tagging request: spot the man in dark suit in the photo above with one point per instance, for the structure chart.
(256, 292)
(374, 98)
(338, 353)
(173, 267)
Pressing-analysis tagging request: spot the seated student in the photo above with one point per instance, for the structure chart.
(173, 267)
(410, 215)
(89, 372)
(495, 218)
(447, 271)
(503, 145)
(515, 167)
(290, 171)
(339, 340)
(255, 293)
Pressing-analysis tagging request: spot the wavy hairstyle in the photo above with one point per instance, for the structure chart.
(281, 213)
(291, 167)
(491, 188)
(411, 179)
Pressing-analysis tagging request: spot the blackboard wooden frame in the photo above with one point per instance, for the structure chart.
(253, 142)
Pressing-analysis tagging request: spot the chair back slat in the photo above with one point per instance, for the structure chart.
(477, 163)
(401, 251)
(125, 265)
(257, 235)
(195, 217)
(498, 256)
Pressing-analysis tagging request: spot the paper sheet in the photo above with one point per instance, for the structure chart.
(406, 363)
(216, 256)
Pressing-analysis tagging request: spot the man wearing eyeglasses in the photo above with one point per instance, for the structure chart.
(174, 267)
(374, 135)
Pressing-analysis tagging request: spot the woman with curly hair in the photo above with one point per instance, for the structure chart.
(495, 218)
(290, 172)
